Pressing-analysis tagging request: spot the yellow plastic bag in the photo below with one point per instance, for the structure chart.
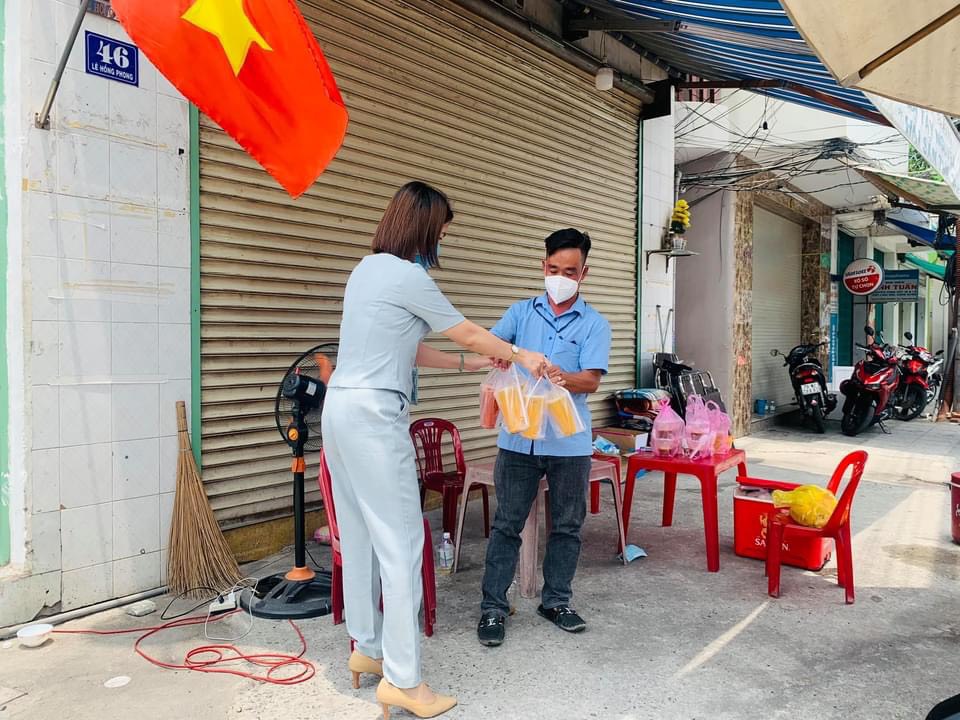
(810, 505)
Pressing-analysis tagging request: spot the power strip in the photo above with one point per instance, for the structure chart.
(224, 603)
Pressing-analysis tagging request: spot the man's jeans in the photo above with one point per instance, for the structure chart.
(517, 478)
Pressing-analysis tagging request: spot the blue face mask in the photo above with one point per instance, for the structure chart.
(423, 263)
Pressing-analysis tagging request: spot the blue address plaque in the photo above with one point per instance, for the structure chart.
(112, 59)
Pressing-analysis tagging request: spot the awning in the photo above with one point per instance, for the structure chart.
(923, 235)
(745, 40)
(905, 50)
(929, 194)
(938, 271)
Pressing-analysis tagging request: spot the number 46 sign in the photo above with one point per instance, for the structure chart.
(112, 59)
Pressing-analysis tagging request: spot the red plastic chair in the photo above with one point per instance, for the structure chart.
(336, 580)
(427, 436)
(782, 528)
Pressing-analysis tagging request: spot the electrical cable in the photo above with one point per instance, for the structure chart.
(316, 566)
(163, 615)
(214, 658)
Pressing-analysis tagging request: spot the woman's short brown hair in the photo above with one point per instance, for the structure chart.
(412, 223)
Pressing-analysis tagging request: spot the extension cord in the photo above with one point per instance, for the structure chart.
(224, 603)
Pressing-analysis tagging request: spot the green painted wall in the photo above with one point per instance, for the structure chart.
(845, 311)
(195, 281)
(878, 256)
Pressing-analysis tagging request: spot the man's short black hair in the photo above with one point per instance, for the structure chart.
(567, 239)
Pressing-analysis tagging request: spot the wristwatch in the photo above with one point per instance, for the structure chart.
(514, 352)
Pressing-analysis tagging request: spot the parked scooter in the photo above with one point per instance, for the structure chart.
(910, 398)
(681, 380)
(809, 383)
(868, 391)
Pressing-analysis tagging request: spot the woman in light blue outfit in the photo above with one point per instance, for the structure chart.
(390, 305)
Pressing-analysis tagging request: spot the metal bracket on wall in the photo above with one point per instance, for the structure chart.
(668, 254)
(42, 118)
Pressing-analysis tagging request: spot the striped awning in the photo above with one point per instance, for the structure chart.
(923, 235)
(932, 195)
(741, 40)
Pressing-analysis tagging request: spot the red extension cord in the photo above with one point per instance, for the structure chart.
(219, 655)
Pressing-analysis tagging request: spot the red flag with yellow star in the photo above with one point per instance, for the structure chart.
(256, 69)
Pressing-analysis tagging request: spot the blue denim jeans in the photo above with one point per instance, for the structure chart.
(517, 478)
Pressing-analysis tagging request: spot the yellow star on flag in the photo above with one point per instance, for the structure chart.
(227, 20)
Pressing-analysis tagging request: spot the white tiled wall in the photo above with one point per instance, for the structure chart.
(658, 190)
(106, 232)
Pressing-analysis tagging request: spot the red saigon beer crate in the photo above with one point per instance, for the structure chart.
(751, 505)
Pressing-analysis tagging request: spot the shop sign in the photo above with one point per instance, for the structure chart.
(898, 286)
(863, 277)
(931, 133)
(112, 59)
(101, 8)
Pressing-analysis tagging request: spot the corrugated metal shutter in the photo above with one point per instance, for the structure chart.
(522, 143)
(777, 255)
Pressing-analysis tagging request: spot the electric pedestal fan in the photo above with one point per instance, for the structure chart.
(301, 592)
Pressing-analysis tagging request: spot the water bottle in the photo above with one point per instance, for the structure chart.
(445, 555)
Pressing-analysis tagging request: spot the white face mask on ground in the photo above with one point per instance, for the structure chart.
(560, 288)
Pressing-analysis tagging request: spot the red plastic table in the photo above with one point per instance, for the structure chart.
(706, 471)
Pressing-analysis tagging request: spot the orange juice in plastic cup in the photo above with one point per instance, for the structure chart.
(535, 416)
(510, 400)
(722, 444)
(563, 412)
(488, 408)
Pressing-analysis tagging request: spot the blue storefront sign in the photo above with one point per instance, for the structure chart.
(898, 286)
(834, 340)
(112, 59)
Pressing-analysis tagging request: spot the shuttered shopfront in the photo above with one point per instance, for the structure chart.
(777, 299)
(521, 142)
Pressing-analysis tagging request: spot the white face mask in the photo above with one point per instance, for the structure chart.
(560, 288)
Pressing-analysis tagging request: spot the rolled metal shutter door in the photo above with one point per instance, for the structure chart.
(522, 143)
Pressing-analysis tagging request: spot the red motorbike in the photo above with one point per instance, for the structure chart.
(910, 398)
(869, 391)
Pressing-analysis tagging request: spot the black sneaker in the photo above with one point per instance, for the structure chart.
(490, 631)
(564, 617)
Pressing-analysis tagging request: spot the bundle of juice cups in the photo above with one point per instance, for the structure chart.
(705, 433)
(527, 406)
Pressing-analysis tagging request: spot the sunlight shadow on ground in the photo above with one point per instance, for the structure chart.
(714, 648)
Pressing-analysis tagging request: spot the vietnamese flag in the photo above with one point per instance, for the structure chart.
(256, 69)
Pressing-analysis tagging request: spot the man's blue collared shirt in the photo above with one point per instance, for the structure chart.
(577, 340)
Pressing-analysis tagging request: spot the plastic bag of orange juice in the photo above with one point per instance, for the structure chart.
(508, 391)
(564, 417)
(537, 396)
(489, 411)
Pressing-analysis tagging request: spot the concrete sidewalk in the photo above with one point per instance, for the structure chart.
(666, 640)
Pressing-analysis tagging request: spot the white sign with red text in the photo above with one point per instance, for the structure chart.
(863, 277)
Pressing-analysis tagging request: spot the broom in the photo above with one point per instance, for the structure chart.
(199, 558)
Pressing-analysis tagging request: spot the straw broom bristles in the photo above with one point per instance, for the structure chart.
(199, 555)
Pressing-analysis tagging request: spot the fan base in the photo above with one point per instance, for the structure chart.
(289, 599)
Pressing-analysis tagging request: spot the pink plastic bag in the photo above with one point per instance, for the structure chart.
(667, 435)
(698, 435)
(720, 424)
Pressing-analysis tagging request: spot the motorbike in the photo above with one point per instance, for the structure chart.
(911, 396)
(809, 383)
(681, 380)
(868, 392)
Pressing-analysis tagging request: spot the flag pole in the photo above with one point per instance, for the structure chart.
(42, 118)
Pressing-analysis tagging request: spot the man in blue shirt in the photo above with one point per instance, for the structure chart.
(576, 340)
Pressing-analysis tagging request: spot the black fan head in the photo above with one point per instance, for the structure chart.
(302, 391)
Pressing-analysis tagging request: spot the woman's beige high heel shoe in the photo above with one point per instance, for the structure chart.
(389, 696)
(360, 663)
